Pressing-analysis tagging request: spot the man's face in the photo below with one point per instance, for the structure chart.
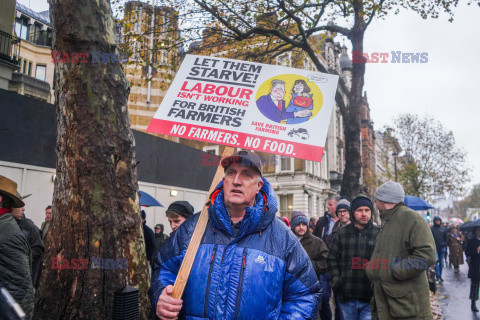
(343, 215)
(158, 230)
(17, 213)
(176, 222)
(300, 229)
(331, 206)
(278, 91)
(240, 185)
(362, 215)
(437, 222)
(48, 214)
(380, 205)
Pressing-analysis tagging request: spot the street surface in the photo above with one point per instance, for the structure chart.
(453, 294)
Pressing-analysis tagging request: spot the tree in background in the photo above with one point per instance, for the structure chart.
(263, 30)
(432, 164)
(95, 206)
(470, 201)
(299, 26)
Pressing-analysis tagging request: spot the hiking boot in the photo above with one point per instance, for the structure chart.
(474, 306)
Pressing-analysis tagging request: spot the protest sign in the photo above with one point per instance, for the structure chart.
(249, 105)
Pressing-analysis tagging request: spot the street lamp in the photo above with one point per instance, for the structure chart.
(395, 161)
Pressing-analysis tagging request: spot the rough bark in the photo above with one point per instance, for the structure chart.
(352, 116)
(95, 208)
(352, 126)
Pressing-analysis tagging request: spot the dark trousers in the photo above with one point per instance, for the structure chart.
(474, 286)
(338, 311)
(325, 312)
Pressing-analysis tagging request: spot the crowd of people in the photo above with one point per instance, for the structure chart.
(252, 265)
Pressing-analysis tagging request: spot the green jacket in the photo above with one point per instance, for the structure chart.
(400, 286)
(317, 252)
(15, 264)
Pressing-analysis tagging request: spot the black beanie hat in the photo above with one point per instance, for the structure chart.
(183, 208)
(361, 201)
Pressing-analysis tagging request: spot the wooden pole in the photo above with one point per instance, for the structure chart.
(186, 267)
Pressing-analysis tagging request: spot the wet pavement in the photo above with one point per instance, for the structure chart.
(453, 294)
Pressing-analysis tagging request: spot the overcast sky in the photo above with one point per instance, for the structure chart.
(446, 87)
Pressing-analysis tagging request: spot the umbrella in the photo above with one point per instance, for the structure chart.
(416, 203)
(470, 226)
(455, 220)
(147, 200)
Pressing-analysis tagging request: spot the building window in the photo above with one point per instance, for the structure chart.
(284, 164)
(40, 72)
(21, 28)
(286, 205)
(34, 34)
(24, 69)
(29, 70)
(214, 150)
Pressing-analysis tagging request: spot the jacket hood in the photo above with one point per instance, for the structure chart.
(257, 217)
(437, 218)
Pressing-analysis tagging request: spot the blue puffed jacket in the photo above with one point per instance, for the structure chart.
(262, 273)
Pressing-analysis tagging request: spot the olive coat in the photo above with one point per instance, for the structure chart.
(400, 290)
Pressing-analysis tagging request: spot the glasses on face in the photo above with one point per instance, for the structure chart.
(343, 211)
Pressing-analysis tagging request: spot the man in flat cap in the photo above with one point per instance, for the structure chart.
(15, 255)
(248, 266)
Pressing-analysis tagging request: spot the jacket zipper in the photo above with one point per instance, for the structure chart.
(240, 283)
(212, 260)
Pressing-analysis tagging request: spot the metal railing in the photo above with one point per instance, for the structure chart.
(9, 48)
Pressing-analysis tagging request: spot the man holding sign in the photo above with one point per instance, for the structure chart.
(248, 266)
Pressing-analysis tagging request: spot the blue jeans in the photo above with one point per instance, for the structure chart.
(356, 310)
(440, 258)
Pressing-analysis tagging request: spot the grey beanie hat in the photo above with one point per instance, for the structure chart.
(391, 192)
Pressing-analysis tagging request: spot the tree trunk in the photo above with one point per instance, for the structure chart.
(95, 208)
(353, 163)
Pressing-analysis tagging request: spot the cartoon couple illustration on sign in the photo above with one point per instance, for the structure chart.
(298, 110)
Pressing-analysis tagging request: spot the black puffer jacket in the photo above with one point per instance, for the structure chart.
(34, 239)
(440, 235)
(15, 263)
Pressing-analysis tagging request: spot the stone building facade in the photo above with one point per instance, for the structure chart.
(35, 74)
(367, 137)
(145, 35)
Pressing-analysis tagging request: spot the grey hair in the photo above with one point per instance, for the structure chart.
(335, 197)
(277, 82)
